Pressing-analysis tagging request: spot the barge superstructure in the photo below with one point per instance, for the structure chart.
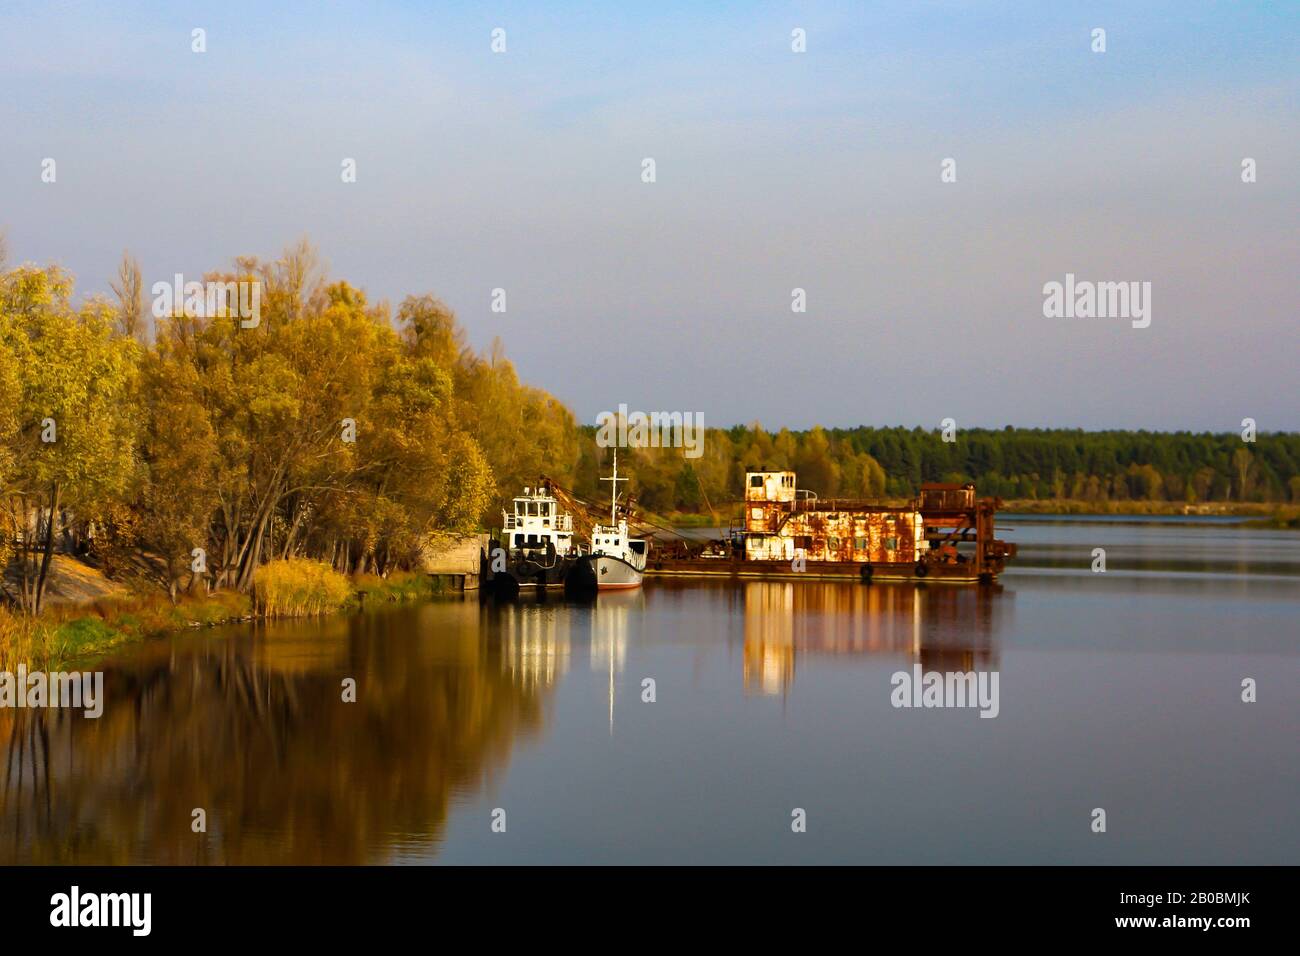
(945, 534)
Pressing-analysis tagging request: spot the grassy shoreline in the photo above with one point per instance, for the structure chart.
(84, 634)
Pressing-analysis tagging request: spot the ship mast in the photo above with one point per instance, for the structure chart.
(613, 491)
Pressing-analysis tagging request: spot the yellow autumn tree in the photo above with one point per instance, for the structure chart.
(75, 440)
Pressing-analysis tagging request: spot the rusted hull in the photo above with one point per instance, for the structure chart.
(862, 571)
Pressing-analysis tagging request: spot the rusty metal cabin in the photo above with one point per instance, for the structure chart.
(781, 522)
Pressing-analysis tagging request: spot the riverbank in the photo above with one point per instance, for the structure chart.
(67, 634)
(1284, 519)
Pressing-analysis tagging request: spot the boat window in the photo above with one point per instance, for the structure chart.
(756, 481)
(519, 541)
(546, 509)
(860, 544)
(891, 544)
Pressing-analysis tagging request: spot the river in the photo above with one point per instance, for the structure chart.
(524, 733)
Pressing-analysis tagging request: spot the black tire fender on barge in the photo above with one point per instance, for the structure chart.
(921, 569)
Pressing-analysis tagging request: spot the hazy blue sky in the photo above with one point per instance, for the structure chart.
(775, 170)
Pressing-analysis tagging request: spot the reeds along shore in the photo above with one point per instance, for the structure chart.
(66, 634)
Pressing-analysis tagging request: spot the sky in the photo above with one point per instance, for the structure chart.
(774, 171)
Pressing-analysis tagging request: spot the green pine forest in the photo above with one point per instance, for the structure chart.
(1044, 469)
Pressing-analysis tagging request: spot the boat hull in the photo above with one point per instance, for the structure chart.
(603, 572)
(522, 571)
(615, 574)
(862, 571)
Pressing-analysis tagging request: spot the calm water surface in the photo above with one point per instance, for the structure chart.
(1119, 690)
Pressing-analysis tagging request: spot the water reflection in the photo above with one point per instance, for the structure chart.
(251, 725)
(944, 628)
(534, 642)
(253, 729)
(1152, 547)
(611, 617)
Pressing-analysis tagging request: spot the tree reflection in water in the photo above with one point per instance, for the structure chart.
(252, 728)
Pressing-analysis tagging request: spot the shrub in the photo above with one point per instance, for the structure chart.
(298, 587)
(24, 640)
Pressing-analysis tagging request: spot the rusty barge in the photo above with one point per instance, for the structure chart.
(946, 534)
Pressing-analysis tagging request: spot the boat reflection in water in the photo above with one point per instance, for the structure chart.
(942, 628)
(534, 641)
(611, 617)
(254, 724)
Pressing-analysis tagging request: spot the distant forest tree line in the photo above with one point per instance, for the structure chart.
(1095, 467)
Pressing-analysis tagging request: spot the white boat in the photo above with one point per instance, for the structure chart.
(538, 525)
(537, 547)
(616, 561)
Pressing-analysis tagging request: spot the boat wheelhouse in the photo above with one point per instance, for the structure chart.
(538, 524)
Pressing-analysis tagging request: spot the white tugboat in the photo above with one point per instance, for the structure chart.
(536, 548)
(616, 561)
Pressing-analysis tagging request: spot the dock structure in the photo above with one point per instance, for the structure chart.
(454, 563)
(945, 534)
